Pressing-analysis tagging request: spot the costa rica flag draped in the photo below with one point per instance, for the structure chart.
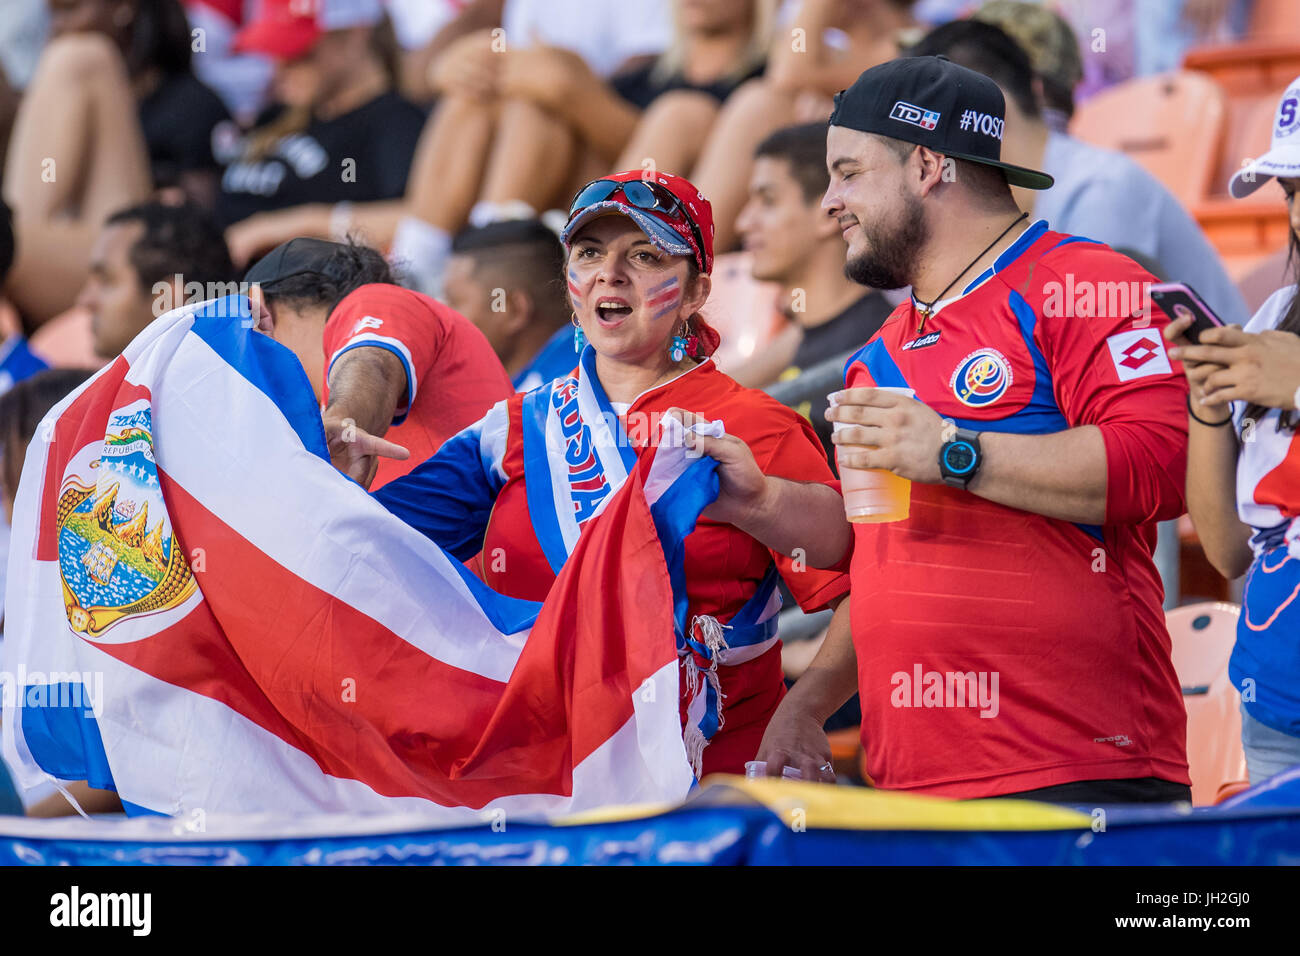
(205, 615)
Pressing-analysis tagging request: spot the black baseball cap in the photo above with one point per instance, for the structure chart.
(294, 258)
(933, 102)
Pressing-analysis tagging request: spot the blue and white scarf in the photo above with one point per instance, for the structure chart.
(576, 455)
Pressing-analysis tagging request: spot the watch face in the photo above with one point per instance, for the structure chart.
(960, 457)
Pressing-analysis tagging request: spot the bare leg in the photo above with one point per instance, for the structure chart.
(722, 174)
(532, 158)
(671, 133)
(449, 161)
(588, 166)
(78, 112)
(76, 155)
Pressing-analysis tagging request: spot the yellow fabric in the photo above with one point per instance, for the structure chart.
(829, 807)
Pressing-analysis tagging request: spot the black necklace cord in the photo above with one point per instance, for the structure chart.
(927, 307)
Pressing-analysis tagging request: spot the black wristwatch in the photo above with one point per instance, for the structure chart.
(960, 459)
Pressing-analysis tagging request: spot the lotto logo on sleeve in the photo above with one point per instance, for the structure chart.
(907, 113)
(1137, 353)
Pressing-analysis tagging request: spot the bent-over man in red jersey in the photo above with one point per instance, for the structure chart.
(408, 371)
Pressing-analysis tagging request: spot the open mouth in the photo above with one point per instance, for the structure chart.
(612, 313)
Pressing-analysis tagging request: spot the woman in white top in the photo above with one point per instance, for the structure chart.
(1243, 473)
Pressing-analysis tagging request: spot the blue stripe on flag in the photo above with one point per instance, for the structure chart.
(61, 732)
(226, 326)
(675, 515)
(508, 615)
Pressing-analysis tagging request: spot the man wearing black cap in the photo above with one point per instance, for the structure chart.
(1008, 634)
(377, 355)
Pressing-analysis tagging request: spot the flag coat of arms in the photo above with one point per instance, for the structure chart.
(203, 614)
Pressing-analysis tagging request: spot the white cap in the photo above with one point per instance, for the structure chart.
(1283, 159)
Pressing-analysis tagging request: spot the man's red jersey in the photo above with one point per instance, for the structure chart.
(1000, 650)
(453, 376)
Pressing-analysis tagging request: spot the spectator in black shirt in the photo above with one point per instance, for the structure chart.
(334, 153)
(795, 243)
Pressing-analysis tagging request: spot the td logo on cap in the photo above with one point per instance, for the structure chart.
(935, 103)
(926, 119)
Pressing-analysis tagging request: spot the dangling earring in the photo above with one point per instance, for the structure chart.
(677, 348)
(579, 337)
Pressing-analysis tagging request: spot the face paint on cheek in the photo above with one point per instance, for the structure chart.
(575, 293)
(664, 298)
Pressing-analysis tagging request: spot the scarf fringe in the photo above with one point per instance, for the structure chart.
(711, 633)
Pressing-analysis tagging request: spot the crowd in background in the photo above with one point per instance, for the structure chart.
(407, 123)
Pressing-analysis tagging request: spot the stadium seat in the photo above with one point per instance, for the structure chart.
(1170, 124)
(1274, 19)
(1203, 635)
(1250, 68)
(743, 310)
(1246, 232)
(1253, 75)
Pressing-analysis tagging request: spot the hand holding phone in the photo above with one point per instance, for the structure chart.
(1178, 301)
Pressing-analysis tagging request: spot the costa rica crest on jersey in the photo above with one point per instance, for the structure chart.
(118, 556)
(981, 378)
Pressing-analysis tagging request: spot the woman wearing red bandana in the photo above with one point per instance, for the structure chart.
(513, 491)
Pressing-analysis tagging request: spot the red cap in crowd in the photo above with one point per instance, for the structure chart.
(288, 29)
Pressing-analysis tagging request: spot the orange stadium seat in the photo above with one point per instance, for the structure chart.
(1253, 75)
(742, 309)
(1275, 19)
(1203, 635)
(1170, 124)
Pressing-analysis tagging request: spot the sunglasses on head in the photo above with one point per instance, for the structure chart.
(641, 194)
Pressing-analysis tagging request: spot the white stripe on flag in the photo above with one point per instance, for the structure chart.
(299, 511)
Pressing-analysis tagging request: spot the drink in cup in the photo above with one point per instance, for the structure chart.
(873, 494)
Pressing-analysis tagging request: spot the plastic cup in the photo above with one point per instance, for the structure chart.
(873, 494)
